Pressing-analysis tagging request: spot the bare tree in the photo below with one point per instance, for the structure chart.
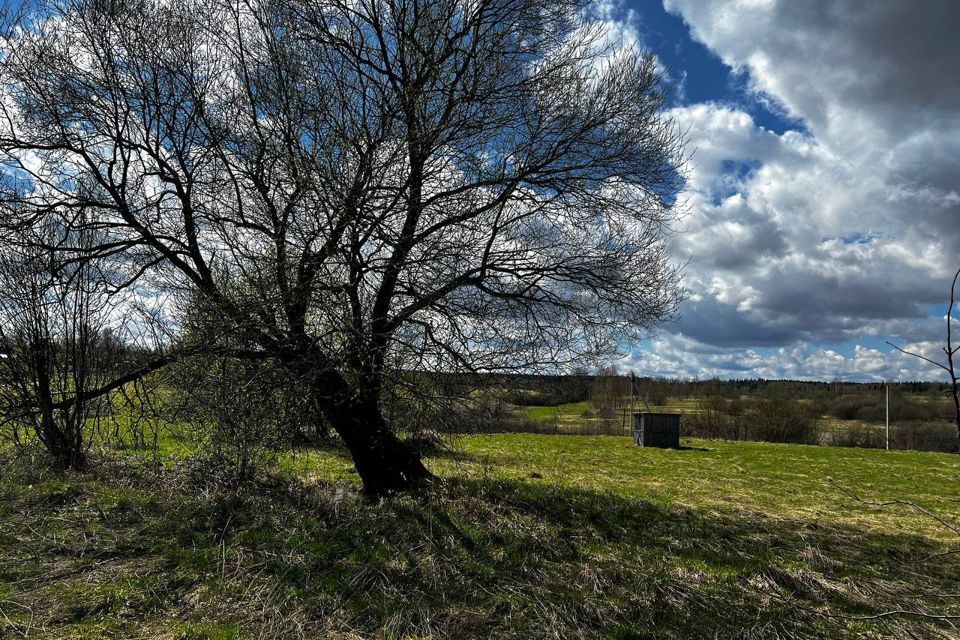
(358, 188)
(55, 343)
(609, 392)
(950, 351)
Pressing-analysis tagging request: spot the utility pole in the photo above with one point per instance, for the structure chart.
(887, 385)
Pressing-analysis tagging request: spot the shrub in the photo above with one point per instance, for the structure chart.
(923, 436)
(715, 420)
(872, 408)
(787, 421)
(239, 414)
(910, 434)
(606, 412)
(845, 408)
(425, 441)
(854, 435)
(524, 398)
(767, 420)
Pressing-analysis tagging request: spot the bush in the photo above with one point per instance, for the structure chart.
(845, 408)
(784, 421)
(713, 420)
(766, 420)
(916, 435)
(606, 412)
(524, 398)
(872, 408)
(923, 436)
(240, 413)
(425, 442)
(854, 435)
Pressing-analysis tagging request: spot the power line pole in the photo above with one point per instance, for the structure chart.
(887, 385)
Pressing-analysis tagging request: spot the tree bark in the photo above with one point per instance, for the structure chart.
(385, 463)
(956, 406)
(66, 449)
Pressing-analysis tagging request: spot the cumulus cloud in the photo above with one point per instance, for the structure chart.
(675, 355)
(847, 229)
(824, 62)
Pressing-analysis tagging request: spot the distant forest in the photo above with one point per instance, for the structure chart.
(558, 389)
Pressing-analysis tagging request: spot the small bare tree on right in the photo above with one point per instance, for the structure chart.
(951, 352)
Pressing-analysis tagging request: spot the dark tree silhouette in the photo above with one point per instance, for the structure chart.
(356, 187)
(56, 342)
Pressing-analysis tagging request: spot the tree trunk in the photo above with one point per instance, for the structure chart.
(385, 463)
(66, 451)
(956, 406)
(69, 457)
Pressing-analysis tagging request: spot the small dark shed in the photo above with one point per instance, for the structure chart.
(656, 430)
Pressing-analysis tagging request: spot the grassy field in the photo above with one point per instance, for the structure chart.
(575, 410)
(736, 417)
(528, 537)
(584, 418)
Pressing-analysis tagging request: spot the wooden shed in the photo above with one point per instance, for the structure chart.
(656, 430)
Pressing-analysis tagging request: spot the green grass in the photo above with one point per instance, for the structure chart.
(584, 415)
(529, 537)
(576, 410)
(568, 410)
(791, 480)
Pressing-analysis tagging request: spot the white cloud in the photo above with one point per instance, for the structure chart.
(676, 355)
(846, 230)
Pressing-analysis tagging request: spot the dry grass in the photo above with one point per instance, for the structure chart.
(622, 551)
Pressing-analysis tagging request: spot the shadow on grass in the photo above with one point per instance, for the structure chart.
(505, 559)
(447, 451)
(333, 446)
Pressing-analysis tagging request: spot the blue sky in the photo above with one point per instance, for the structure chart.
(700, 74)
(823, 215)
